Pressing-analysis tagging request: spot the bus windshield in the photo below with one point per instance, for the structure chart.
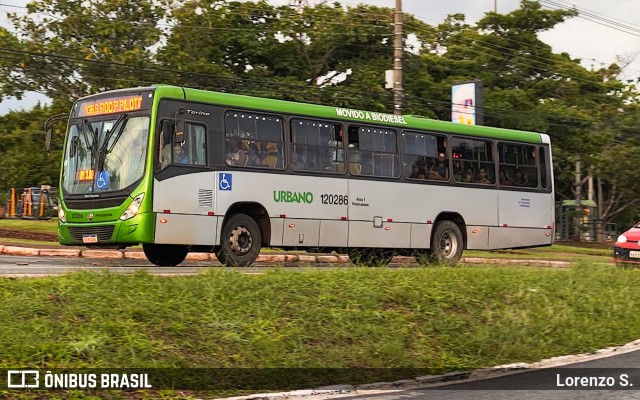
(105, 155)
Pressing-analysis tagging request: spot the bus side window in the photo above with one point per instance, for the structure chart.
(420, 153)
(196, 144)
(318, 146)
(375, 149)
(254, 140)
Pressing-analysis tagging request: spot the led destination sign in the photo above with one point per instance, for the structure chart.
(110, 106)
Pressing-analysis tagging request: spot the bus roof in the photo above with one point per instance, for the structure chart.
(347, 114)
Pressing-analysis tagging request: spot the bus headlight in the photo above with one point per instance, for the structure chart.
(61, 217)
(133, 208)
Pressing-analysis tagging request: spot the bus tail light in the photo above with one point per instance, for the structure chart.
(133, 208)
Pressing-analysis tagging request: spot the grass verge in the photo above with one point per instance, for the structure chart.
(39, 226)
(439, 319)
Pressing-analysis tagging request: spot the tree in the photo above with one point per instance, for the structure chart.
(68, 49)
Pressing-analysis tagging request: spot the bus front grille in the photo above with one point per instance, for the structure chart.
(102, 232)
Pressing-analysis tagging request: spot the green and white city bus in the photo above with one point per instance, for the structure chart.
(180, 170)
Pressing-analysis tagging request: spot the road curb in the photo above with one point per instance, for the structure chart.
(264, 258)
(337, 391)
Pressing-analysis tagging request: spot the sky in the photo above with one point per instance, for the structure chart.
(594, 43)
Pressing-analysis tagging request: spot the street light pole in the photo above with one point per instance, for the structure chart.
(398, 92)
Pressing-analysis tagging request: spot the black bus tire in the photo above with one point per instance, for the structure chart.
(240, 241)
(447, 243)
(165, 255)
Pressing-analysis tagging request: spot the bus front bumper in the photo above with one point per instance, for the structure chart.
(139, 229)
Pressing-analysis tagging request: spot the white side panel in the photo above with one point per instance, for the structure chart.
(412, 203)
(301, 232)
(186, 229)
(525, 209)
(334, 233)
(405, 202)
(303, 197)
(478, 237)
(390, 235)
(504, 238)
(286, 197)
(421, 236)
(347, 211)
(185, 194)
(277, 230)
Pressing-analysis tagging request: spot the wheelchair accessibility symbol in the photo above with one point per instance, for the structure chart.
(224, 181)
(103, 180)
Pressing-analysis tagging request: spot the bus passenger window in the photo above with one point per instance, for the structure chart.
(519, 163)
(254, 140)
(375, 149)
(424, 156)
(317, 146)
(476, 158)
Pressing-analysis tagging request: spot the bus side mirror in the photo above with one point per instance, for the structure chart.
(48, 130)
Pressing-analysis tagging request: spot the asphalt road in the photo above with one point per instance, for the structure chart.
(623, 371)
(17, 266)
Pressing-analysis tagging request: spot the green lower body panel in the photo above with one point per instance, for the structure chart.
(139, 229)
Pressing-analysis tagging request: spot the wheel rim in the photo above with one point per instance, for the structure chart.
(241, 240)
(448, 244)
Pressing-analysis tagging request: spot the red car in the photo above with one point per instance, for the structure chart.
(627, 247)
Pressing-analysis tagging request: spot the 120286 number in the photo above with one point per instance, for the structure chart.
(337, 199)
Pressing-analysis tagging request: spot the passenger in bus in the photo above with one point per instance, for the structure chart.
(458, 170)
(504, 181)
(179, 155)
(272, 158)
(253, 155)
(440, 169)
(297, 163)
(468, 176)
(483, 177)
(235, 156)
(415, 170)
(519, 179)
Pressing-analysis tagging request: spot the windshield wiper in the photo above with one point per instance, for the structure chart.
(94, 135)
(118, 125)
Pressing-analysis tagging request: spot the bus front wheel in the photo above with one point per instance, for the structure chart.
(165, 255)
(240, 241)
(447, 243)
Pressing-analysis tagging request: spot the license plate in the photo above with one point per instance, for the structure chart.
(94, 239)
(634, 254)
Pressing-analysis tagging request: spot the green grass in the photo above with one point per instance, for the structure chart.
(46, 226)
(558, 251)
(440, 319)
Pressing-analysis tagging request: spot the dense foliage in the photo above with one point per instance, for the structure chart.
(327, 54)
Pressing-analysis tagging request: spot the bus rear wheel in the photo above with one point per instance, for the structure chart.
(447, 243)
(370, 257)
(240, 241)
(165, 255)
